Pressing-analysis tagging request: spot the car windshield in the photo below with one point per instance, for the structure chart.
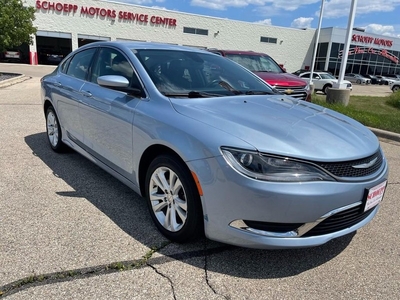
(256, 63)
(327, 76)
(193, 74)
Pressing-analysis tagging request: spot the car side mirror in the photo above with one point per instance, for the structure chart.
(119, 83)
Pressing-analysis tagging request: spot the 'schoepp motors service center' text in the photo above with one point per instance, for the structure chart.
(64, 26)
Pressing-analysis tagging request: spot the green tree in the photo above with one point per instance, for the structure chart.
(16, 23)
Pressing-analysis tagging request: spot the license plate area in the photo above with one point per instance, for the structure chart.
(374, 195)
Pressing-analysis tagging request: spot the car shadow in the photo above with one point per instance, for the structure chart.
(129, 212)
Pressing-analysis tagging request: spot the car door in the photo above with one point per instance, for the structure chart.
(107, 114)
(66, 93)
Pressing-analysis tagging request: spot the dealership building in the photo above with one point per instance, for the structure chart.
(63, 26)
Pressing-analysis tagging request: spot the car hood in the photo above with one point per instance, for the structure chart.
(281, 79)
(281, 125)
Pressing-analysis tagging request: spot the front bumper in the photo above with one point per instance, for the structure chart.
(231, 198)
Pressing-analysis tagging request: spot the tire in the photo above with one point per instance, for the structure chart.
(325, 88)
(396, 88)
(358, 81)
(53, 129)
(173, 200)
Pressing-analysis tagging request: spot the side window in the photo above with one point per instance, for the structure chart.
(80, 63)
(305, 76)
(64, 66)
(112, 62)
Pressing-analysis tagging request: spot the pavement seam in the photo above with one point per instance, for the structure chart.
(68, 275)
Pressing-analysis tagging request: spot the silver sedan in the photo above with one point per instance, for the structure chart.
(357, 78)
(212, 148)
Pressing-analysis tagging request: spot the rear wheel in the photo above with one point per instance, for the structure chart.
(53, 130)
(358, 81)
(396, 88)
(173, 199)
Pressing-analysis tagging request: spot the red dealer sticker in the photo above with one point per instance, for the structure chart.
(375, 195)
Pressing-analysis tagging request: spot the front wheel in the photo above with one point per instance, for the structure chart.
(326, 88)
(53, 129)
(173, 199)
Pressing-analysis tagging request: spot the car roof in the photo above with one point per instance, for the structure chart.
(143, 45)
(316, 72)
(247, 52)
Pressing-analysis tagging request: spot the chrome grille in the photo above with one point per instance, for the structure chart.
(294, 91)
(346, 168)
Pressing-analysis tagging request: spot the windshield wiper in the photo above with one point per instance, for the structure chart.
(192, 94)
(196, 94)
(260, 93)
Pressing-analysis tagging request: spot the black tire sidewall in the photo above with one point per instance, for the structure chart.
(60, 146)
(325, 89)
(193, 226)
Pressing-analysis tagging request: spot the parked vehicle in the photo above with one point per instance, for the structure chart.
(374, 79)
(298, 72)
(323, 81)
(12, 55)
(269, 70)
(395, 86)
(385, 80)
(50, 56)
(212, 147)
(393, 76)
(357, 78)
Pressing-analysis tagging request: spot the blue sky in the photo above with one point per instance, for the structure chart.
(376, 16)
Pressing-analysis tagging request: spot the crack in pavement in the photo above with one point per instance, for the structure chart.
(147, 260)
(206, 272)
(166, 277)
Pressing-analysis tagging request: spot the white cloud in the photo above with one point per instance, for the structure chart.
(341, 8)
(289, 5)
(159, 7)
(264, 22)
(302, 22)
(381, 29)
(138, 2)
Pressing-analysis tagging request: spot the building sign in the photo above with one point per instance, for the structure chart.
(67, 8)
(367, 50)
(371, 40)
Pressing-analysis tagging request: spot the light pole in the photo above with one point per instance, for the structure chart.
(343, 65)
(316, 44)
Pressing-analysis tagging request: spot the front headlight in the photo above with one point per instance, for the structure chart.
(272, 168)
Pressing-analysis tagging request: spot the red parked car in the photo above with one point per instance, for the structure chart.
(268, 69)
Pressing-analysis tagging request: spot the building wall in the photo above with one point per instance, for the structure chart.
(293, 48)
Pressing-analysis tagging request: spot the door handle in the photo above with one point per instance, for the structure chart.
(87, 94)
(57, 84)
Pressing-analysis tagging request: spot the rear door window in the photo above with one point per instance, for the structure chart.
(79, 65)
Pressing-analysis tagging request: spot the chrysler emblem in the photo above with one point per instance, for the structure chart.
(366, 165)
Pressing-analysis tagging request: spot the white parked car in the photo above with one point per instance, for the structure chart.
(386, 80)
(323, 81)
(357, 78)
(394, 86)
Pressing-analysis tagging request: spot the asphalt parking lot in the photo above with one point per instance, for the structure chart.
(71, 231)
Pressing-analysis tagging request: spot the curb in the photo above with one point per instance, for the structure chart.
(14, 80)
(386, 134)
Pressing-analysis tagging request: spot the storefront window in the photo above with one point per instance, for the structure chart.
(335, 50)
(322, 49)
